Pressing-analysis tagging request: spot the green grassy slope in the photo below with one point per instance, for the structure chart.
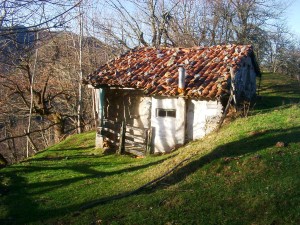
(234, 176)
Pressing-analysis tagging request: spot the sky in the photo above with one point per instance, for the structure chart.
(293, 17)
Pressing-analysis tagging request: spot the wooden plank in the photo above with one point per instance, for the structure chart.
(112, 141)
(110, 131)
(225, 112)
(130, 147)
(133, 143)
(149, 141)
(129, 141)
(135, 152)
(128, 128)
(135, 135)
(139, 139)
(109, 121)
(121, 148)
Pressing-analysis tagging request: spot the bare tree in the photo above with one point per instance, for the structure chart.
(187, 22)
(20, 22)
(133, 22)
(79, 104)
(36, 15)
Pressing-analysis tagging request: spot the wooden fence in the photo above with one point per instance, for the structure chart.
(111, 131)
(127, 138)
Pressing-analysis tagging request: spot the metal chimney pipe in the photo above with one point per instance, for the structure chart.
(181, 79)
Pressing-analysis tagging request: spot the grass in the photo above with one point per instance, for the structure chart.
(278, 90)
(234, 176)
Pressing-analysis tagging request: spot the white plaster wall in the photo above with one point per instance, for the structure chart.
(99, 138)
(96, 95)
(169, 132)
(142, 119)
(202, 118)
(195, 119)
(180, 121)
(213, 114)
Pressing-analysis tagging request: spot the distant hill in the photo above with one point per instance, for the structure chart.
(16, 38)
(14, 42)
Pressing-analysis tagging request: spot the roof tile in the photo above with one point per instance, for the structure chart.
(156, 70)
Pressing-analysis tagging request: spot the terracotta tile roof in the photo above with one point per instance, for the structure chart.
(156, 70)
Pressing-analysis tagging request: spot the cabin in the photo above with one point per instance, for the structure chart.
(153, 100)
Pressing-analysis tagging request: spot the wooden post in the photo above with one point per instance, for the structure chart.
(121, 148)
(117, 131)
(231, 97)
(225, 111)
(232, 89)
(149, 141)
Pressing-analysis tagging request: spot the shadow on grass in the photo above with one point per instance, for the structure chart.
(277, 90)
(22, 198)
(75, 149)
(21, 202)
(64, 157)
(268, 103)
(251, 144)
(54, 153)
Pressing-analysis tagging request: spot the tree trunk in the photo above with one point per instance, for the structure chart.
(58, 132)
(31, 82)
(58, 126)
(79, 106)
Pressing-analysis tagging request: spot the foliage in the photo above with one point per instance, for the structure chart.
(235, 176)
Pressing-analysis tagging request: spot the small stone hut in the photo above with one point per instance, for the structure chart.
(165, 97)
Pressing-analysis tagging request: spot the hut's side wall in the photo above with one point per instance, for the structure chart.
(202, 118)
(245, 81)
(168, 117)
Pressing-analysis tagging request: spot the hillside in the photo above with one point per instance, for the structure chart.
(238, 175)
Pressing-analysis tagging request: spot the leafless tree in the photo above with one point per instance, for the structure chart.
(35, 15)
(187, 22)
(54, 93)
(39, 74)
